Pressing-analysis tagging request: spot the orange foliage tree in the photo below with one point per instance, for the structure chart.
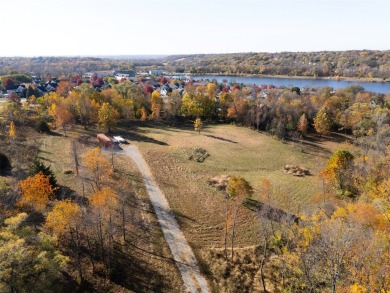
(64, 88)
(36, 191)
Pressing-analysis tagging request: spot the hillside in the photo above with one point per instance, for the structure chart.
(352, 64)
(357, 64)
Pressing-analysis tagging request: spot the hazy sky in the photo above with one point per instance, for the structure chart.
(128, 27)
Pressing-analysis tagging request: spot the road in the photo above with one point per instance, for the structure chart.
(181, 251)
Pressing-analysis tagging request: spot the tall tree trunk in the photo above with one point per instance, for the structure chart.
(226, 226)
(234, 228)
(75, 157)
(262, 265)
(123, 221)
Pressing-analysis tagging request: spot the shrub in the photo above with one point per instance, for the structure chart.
(42, 127)
(5, 164)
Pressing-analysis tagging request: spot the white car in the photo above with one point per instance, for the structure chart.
(119, 139)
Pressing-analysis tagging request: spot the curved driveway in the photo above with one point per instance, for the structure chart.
(181, 251)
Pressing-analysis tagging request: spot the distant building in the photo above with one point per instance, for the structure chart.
(125, 74)
(156, 72)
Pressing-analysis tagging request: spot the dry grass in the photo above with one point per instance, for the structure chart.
(233, 151)
(146, 259)
(199, 207)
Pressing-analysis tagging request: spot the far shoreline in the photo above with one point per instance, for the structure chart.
(335, 78)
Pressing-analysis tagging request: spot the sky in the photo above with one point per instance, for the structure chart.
(166, 27)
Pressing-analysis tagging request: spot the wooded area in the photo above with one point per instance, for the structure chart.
(83, 232)
(352, 64)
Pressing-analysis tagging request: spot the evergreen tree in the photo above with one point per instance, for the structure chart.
(39, 166)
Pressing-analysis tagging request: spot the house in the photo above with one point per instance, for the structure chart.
(18, 89)
(163, 91)
(50, 88)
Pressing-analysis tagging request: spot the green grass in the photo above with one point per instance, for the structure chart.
(200, 208)
(244, 152)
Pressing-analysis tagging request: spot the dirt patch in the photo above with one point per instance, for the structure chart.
(220, 182)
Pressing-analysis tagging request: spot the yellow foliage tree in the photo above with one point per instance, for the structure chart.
(36, 191)
(238, 189)
(104, 200)
(322, 122)
(143, 114)
(12, 132)
(64, 216)
(108, 116)
(156, 105)
(98, 165)
(198, 125)
(339, 171)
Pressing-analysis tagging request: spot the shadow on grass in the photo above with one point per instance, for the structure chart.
(134, 272)
(270, 213)
(220, 138)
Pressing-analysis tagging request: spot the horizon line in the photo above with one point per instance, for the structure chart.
(181, 54)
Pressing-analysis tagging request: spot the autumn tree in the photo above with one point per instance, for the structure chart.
(61, 114)
(303, 124)
(65, 221)
(38, 166)
(198, 124)
(124, 106)
(237, 190)
(98, 165)
(104, 204)
(156, 105)
(36, 191)
(339, 171)
(108, 116)
(29, 262)
(322, 122)
(7, 82)
(143, 114)
(64, 217)
(12, 131)
(64, 88)
(85, 109)
(172, 105)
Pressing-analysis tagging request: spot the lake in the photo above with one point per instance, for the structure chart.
(376, 87)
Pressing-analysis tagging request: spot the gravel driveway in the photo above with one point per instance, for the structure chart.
(181, 251)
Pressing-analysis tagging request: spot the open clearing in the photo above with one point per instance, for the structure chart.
(181, 251)
(198, 207)
(233, 150)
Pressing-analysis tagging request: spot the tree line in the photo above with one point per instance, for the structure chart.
(342, 245)
(352, 64)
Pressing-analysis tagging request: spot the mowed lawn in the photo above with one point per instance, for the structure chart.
(233, 151)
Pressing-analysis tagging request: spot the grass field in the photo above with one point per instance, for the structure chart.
(233, 151)
(148, 261)
(199, 207)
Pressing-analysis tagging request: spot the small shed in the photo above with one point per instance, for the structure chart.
(104, 140)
